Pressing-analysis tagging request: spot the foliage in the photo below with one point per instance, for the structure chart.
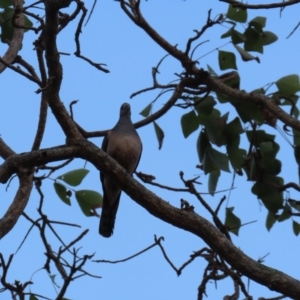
(244, 144)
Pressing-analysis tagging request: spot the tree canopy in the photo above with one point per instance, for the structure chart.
(213, 89)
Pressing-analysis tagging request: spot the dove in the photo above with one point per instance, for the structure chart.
(124, 145)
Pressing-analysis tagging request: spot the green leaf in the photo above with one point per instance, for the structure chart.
(268, 38)
(247, 111)
(272, 199)
(253, 169)
(219, 159)
(208, 164)
(7, 30)
(233, 83)
(232, 222)
(27, 22)
(33, 297)
(88, 200)
(261, 189)
(258, 22)
(297, 154)
(237, 37)
(234, 127)
(205, 106)
(213, 181)
(260, 136)
(296, 228)
(272, 166)
(227, 34)
(270, 221)
(236, 157)
(237, 14)
(254, 40)
(214, 128)
(258, 91)
(224, 118)
(211, 71)
(227, 60)
(52, 277)
(265, 147)
(291, 101)
(189, 123)
(288, 85)
(159, 134)
(202, 144)
(296, 136)
(229, 22)
(286, 214)
(146, 111)
(294, 203)
(296, 112)
(6, 3)
(74, 177)
(62, 192)
(246, 56)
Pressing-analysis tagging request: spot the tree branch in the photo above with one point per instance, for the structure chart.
(260, 6)
(186, 220)
(218, 85)
(16, 43)
(55, 69)
(19, 203)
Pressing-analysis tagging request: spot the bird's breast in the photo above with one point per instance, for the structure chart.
(125, 149)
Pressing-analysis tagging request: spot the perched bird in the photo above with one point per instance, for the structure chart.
(124, 145)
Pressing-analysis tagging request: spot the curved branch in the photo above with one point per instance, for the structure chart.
(209, 23)
(41, 123)
(177, 93)
(55, 69)
(80, 5)
(16, 43)
(261, 99)
(136, 16)
(5, 150)
(35, 158)
(260, 6)
(192, 222)
(19, 203)
(186, 220)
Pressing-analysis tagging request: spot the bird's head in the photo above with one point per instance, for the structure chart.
(125, 110)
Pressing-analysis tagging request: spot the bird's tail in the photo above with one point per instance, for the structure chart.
(108, 217)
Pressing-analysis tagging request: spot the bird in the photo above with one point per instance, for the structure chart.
(124, 145)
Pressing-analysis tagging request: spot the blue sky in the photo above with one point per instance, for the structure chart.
(110, 37)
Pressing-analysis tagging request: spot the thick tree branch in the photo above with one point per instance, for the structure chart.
(135, 15)
(19, 203)
(260, 6)
(35, 158)
(16, 43)
(5, 150)
(200, 76)
(169, 104)
(41, 123)
(218, 85)
(10, 218)
(187, 220)
(25, 175)
(55, 69)
(192, 222)
(23, 164)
